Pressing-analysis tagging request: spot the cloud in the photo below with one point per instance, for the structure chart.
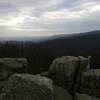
(48, 17)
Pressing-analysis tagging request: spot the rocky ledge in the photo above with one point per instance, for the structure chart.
(68, 78)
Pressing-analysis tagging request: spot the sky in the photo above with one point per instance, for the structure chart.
(48, 17)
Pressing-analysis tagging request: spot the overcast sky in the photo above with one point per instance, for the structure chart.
(48, 17)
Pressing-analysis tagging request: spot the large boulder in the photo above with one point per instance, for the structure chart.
(27, 87)
(63, 70)
(90, 82)
(11, 65)
(66, 71)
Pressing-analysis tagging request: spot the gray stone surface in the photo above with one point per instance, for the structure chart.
(67, 71)
(70, 74)
(5, 72)
(90, 82)
(63, 70)
(61, 93)
(85, 97)
(84, 65)
(9, 66)
(27, 87)
(14, 62)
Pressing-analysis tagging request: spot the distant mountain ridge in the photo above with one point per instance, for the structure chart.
(88, 42)
(48, 38)
(33, 39)
(74, 35)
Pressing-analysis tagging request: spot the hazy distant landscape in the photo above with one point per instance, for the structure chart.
(41, 51)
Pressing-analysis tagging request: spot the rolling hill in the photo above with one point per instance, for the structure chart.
(78, 43)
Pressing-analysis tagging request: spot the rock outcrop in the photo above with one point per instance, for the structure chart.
(27, 87)
(66, 71)
(63, 70)
(8, 66)
(11, 65)
(90, 82)
(69, 78)
(14, 63)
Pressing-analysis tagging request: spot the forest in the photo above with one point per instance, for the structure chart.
(38, 55)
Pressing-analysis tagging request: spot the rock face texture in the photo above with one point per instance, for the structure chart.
(90, 82)
(8, 66)
(11, 65)
(69, 78)
(61, 93)
(84, 65)
(62, 70)
(27, 87)
(66, 71)
(14, 62)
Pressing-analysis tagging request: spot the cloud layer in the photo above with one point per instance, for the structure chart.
(48, 17)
